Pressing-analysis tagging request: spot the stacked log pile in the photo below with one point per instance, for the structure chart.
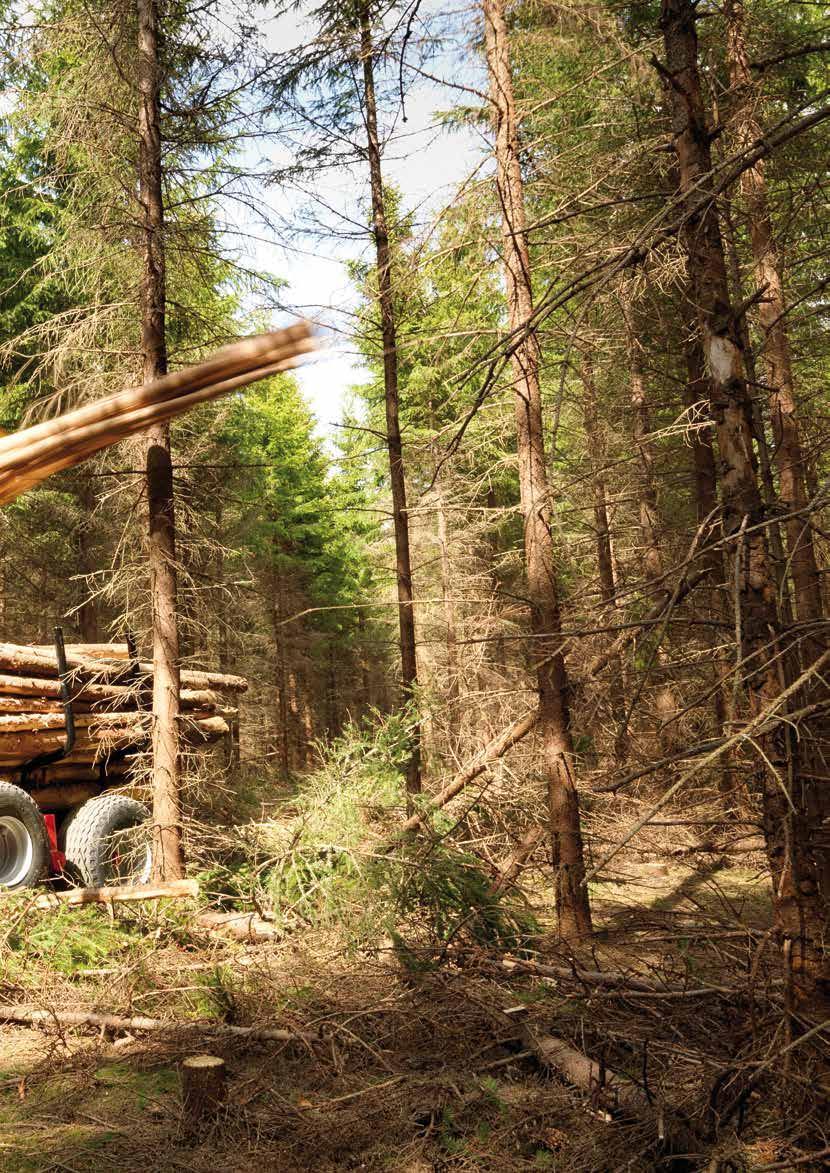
(110, 698)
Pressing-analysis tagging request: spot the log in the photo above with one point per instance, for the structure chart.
(27, 661)
(36, 722)
(204, 1085)
(28, 456)
(612, 1094)
(96, 740)
(242, 926)
(496, 749)
(78, 774)
(206, 729)
(221, 681)
(40, 686)
(96, 651)
(26, 1017)
(120, 894)
(30, 704)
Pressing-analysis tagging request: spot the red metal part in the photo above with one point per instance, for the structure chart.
(57, 859)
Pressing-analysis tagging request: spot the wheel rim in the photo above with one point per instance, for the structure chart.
(16, 851)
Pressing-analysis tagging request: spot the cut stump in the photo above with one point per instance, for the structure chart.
(203, 1089)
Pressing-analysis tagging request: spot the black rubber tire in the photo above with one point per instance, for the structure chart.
(86, 840)
(24, 816)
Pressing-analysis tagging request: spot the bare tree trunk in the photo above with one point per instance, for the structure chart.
(788, 451)
(554, 719)
(88, 611)
(400, 516)
(697, 390)
(168, 854)
(759, 432)
(652, 554)
(280, 670)
(447, 596)
(800, 908)
(605, 559)
(498, 654)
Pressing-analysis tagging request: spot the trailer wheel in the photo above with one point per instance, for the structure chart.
(107, 841)
(24, 843)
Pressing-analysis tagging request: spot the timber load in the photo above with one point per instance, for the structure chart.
(78, 712)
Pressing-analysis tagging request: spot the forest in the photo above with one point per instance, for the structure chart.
(414, 425)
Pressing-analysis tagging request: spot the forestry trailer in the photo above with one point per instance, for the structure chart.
(73, 719)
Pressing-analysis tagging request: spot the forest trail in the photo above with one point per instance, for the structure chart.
(413, 1071)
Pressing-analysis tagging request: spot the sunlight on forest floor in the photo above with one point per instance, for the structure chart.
(413, 1072)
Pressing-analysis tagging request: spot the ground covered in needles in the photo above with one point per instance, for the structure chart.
(417, 1059)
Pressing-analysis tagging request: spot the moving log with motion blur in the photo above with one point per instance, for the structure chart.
(29, 456)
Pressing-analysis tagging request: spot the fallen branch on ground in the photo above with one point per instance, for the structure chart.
(510, 867)
(124, 894)
(611, 979)
(25, 1017)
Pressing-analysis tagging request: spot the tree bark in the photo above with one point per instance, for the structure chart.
(697, 390)
(554, 719)
(652, 554)
(605, 561)
(800, 906)
(168, 852)
(400, 516)
(788, 449)
(204, 1089)
(447, 599)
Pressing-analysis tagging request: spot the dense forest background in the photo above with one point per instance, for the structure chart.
(565, 553)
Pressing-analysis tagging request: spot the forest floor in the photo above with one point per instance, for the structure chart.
(411, 1071)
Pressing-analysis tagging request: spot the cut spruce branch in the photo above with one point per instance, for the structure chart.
(627, 984)
(25, 1016)
(29, 456)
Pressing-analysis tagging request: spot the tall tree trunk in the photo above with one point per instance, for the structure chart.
(168, 854)
(651, 550)
(400, 516)
(554, 719)
(447, 596)
(652, 554)
(88, 610)
(696, 390)
(280, 669)
(788, 451)
(498, 647)
(800, 906)
(605, 558)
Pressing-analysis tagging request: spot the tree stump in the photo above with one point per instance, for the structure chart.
(203, 1089)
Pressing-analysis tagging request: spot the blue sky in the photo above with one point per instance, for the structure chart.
(426, 163)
